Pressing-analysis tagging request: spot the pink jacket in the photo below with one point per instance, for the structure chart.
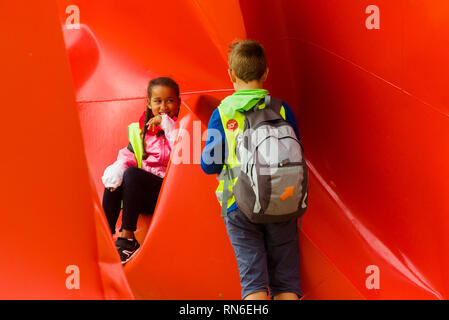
(158, 149)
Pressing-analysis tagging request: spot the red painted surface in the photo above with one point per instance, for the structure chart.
(51, 219)
(372, 108)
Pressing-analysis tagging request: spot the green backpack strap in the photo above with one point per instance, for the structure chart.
(136, 142)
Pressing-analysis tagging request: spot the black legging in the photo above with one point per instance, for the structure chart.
(139, 191)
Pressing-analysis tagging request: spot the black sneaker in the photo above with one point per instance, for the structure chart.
(126, 248)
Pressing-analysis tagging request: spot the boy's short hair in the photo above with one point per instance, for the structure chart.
(247, 60)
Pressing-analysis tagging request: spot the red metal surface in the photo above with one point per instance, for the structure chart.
(372, 108)
(53, 227)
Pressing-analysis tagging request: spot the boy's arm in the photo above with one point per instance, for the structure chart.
(212, 157)
(290, 118)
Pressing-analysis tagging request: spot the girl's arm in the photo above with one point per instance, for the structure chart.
(113, 175)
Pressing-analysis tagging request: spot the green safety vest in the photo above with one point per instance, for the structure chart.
(135, 139)
(228, 177)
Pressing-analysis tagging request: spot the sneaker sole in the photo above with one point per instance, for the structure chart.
(123, 262)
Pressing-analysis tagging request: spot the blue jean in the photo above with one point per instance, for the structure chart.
(267, 254)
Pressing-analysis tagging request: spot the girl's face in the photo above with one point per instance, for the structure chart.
(164, 101)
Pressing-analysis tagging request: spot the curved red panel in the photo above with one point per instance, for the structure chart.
(374, 143)
(372, 127)
(372, 111)
(54, 240)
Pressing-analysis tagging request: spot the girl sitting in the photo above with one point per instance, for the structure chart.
(135, 178)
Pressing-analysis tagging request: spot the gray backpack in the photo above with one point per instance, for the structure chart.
(273, 180)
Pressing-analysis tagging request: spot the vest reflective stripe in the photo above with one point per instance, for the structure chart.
(135, 139)
(225, 177)
(234, 173)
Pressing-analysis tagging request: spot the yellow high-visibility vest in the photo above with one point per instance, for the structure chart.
(135, 139)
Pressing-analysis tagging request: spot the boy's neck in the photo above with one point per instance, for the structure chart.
(242, 85)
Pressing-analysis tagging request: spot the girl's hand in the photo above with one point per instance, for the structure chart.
(155, 121)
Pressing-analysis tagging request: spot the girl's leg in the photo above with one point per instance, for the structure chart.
(112, 202)
(140, 193)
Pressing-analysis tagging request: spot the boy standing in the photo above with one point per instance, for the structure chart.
(267, 253)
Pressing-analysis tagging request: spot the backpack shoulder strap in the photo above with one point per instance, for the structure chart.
(270, 112)
(274, 104)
